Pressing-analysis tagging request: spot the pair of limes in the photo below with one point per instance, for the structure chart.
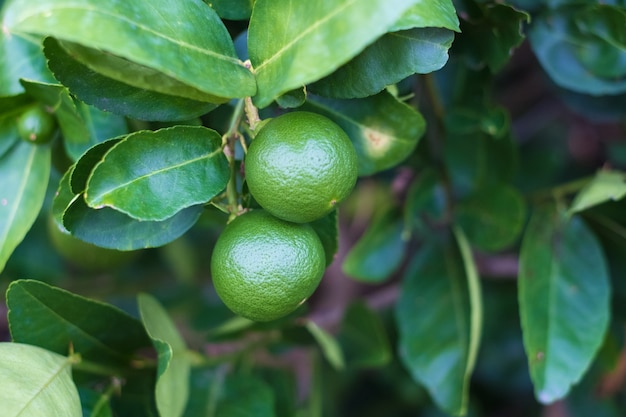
(267, 262)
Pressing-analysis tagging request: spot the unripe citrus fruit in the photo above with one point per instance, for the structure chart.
(36, 125)
(300, 166)
(263, 267)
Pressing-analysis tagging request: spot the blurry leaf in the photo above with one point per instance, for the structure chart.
(492, 217)
(432, 13)
(137, 398)
(328, 344)
(36, 383)
(154, 45)
(172, 387)
(491, 120)
(150, 176)
(387, 61)
(56, 319)
(232, 9)
(327, 230)
(426, 201)
(383, 130)
(24, 172)
(564, 300)
(605, 186)
(380, 251)
(117, 97)
(363, 338)
(439, 320)
(292, 43)
(94, 404)
(292, 99)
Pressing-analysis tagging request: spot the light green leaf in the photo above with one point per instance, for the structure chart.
(56, 319)
(387, 61)
(36, 383)
(153, 175)
(605, 186)
(383, 130)
(439, 321)
(380, 251)
(293, 43)
(24, 173)
(429, 13)
(155, 45)
(564, 300)
(328, 344)
(172, 387)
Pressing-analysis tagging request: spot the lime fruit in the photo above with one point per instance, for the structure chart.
(36, 125)
(263, 267)
(300, 166)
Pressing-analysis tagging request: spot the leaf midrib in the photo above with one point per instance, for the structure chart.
(43, 387)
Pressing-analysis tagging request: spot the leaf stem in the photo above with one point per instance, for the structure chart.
(80, 364)
(229, 143)
(560, 191)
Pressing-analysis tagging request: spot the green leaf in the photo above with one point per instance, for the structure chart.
(605, 186)
(363, 338)
(292, 43)
(383, 130)
(154, 45)
(56, 319)
(328, 344)
(426, 201)
(232, 9)
(564, 300)
(431, 13)
(95, 404)
(387, 61)
(150, 176)
(81, 170)
(575, 59)
(380, 251)
(172, 387)
(24, 169)
(492, 217)
(36, 383)
(8, 134)
(241, 396)
(439, 317)
(327, 229)
(117, 97)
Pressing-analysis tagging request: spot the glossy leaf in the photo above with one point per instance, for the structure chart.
(81, 170)
(55, 319)
(118, 97)
(157, 45)
(24, 173)
(292, 43)
(328, 344)
(380, 251)
(8, 134)
(387, 61)
(363, 338)
(564, 300)
(429, 14)
(439, 321)
(328, 231)
(232, 9)
(36, 383)
(605, 186)
(492, 217)
(383, 130)
(153, 175)
(172, 387)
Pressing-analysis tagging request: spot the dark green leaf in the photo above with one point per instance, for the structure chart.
(327, 230)
(95, 404)
(292, 99)
(564, 300)
(157, 45)
(172, 387)
(426, 201)
(117, 97)
(439, 319)
(492, 217)
(432, 13)
(328, 344)
(24, 172)
(383, 130)
(380, 251)
(57, 320)
(605, 186)
(137, 398)
(243, 396)
(232, 9)
(293, 43)
(150, 177)
(491, 120)
(363, 338)
(81, 170)
(36, 383)
(387, 61)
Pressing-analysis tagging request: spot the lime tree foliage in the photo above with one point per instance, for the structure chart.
(433, 222)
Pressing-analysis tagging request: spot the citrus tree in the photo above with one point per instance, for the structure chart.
(312, 208)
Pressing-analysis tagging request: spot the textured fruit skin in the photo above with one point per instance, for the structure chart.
(36, 125)
(263, 268)
(300, 166)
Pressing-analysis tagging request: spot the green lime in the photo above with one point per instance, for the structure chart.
(263, 267)
(36, 125)
(300, 166)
